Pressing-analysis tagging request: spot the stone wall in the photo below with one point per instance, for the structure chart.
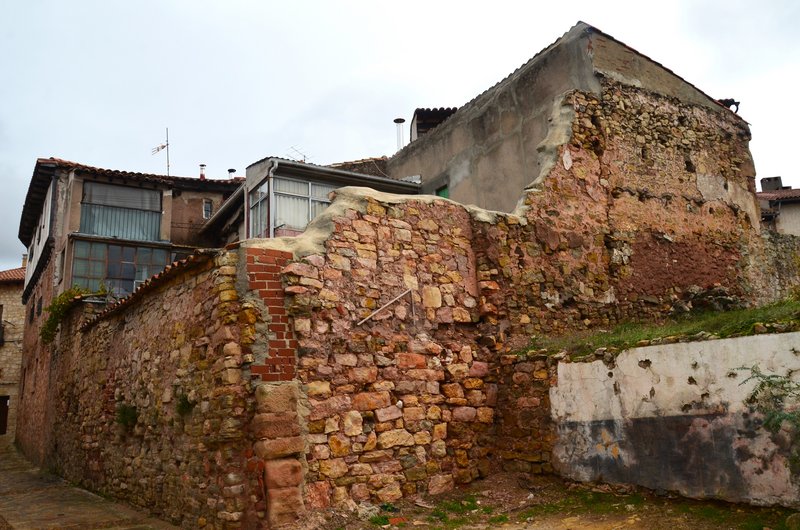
(13, 315)
(673, 417)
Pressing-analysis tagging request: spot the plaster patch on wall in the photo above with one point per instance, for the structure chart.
(674, 417)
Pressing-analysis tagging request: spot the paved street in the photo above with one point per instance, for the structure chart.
(31, 499)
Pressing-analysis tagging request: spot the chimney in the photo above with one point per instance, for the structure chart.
(231, 173)
(202, 171)
(24, 260)
(771, 184)
(400, 141)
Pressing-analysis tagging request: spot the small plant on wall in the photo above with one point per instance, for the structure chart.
(184, 406)
(57, 310)
(777, 398)
(127, 415)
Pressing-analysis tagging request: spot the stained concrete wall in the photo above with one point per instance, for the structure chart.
(506, 138)
(788, 221)
(674, 417)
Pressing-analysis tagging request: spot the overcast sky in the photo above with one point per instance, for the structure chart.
(97, 82)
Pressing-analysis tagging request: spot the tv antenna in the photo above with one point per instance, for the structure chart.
(164, 146)
(297, 155)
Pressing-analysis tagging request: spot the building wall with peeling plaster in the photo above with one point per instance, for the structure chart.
(674, 417)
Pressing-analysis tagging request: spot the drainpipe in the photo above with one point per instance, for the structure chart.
(270, 216)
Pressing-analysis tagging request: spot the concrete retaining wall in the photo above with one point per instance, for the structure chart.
(674, 417)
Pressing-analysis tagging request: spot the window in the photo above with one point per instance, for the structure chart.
(443, 192)
(121, 211)
(298, 202)
(259, 209)
(208, 208)
(119, 268)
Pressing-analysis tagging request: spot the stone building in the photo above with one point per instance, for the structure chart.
(780, 206)
(12, 319)
(280, 197)
(100, 229)
(505, 141)
(374, 356)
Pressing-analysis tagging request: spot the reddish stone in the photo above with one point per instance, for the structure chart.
(285, 505)
(371, 400)
(464, 413)
(271, 449)
(283, 473)
(411, 360)
(276, 425)
(479, 369)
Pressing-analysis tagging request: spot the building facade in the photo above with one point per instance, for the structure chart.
(12, 320)
(103, 231)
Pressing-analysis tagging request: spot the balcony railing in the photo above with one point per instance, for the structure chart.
(124, 223)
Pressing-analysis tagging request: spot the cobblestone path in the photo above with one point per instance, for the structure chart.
(31, 499)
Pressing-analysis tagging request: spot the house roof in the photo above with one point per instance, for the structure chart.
(45, 170)
(778, 195)
(341, 177)
(366, 166)
(13, 275)
(576, 30)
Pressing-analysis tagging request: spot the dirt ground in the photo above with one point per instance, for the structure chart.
(514, 501)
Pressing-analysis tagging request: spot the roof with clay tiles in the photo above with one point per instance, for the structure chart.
(13, 275)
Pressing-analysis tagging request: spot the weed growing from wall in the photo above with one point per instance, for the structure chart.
(127, 415)
(57, 310)
(777, 397)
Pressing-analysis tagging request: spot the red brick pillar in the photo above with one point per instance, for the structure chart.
(279, 447)
(264, 277)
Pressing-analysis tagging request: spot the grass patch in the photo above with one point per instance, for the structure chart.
(722, 324)
(379, 520)
(498, 519)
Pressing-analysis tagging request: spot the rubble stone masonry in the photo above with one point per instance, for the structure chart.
(373, 357)
(13, 314)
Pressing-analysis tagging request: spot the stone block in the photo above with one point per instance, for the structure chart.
(479, 369)
(277, 397)
(352, 423)
(340, 445)
(285, 506)
(280, 448)
(411, 360)
(283, 473)
(371, 400)
(464, 413)
(394, 438)
(390, 492)
(333, 468)
(431, 297)
(413, 413)
(318, 388)
(363, 374)
(276, 425)
(328, 407)
(440, 484)
(440, 431)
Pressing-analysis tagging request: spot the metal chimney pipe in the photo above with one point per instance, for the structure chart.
(202, 171)
(231, 173)
(400, 141)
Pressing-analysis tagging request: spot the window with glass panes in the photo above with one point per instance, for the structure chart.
(297, 202)
(119, 268)
(120, 211)
(259, 210)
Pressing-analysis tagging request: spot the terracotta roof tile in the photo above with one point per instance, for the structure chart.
(13, 275)
(778, 195)
(198, 257)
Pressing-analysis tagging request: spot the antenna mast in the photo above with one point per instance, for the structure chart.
(167, 151)
(158, 148)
